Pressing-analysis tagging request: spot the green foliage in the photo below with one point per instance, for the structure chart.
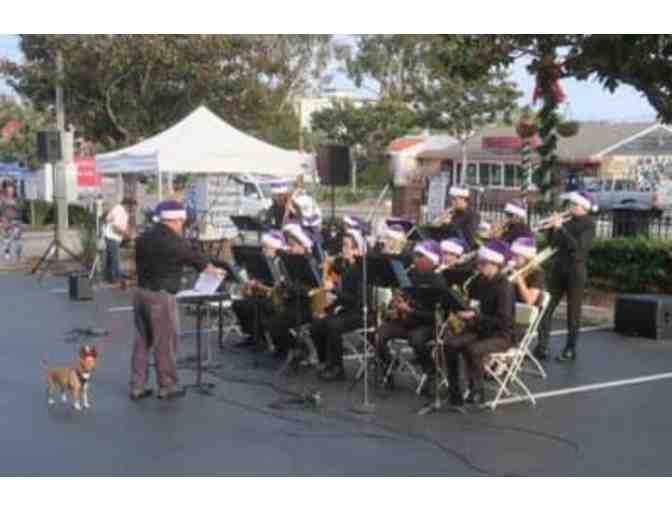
(41, 210)
(375, 175)
(120, 89)
(631, 265)
(22, 144)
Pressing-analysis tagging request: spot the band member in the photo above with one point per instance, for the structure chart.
(464, 218)
(297, 305)
(251, 309)
(516, 221)
(484, 232)
(307, 213)
(573, 240)
(529, 286)
(345, 313)
(411, 320)
(275, 215)
(489, 330)
(453, 271)
(161, 252)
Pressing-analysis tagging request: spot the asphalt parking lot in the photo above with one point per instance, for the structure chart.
(251, 426)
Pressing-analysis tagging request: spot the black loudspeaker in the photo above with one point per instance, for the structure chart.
(645, 315)
(334, 165)
(80, 287)
(48, 146)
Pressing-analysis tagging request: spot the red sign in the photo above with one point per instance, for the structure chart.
(86, 172)
(505, 144)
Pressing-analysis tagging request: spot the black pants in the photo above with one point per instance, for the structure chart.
(474, 350)
(248, 311)
(295, 314)
(563, 282)
(328, 333)
(418, 336)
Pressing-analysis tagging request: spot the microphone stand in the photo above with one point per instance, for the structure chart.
(368, 407)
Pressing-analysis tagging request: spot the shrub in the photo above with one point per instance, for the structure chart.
(631, 265)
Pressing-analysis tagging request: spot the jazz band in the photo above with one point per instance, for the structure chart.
(496, 268)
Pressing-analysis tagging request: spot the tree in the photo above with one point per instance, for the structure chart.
(22, 123)
(462, 107)
(123, 88)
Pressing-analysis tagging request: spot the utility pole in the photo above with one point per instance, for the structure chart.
(59, 177)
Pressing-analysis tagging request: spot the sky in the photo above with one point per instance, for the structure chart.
(587, 100)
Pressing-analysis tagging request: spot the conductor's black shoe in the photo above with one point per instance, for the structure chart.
(568, 355)
(333, 374)
(541, 353)
(476, 398)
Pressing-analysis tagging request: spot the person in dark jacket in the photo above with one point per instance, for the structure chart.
(160, 255)
(344, 313)
(488, 330)
(573, 240)
(516, 221)
(275, 215)
(465, 219)
(413, 321)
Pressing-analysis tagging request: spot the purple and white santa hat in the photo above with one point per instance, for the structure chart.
(525, 246)
(405, 223)
(454, 246)
(353, 222)
(275, 239)
(279, 189)
(484, 227)
(516, 207)
(295, 231)
(395, 232)
(357, 237)
(171, 210)
(459, 191)
(583, 199)
(494, 251)
(430, 249)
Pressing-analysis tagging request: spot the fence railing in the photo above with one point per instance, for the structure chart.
(609, 224)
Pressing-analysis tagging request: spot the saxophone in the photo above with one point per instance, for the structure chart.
(456, 324)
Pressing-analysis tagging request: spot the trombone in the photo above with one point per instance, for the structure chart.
(546, 223)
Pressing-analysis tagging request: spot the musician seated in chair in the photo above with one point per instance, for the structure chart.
(516, 221)
(464, 218)
(488, 330)
(529, 283)
(297, 305)
(409, 320)
(454, 271)
(257, 302)
(345, 313)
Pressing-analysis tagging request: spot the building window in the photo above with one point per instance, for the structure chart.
(509, 175)
(472, 174)
(520, 176)
(496, 174)
(484, 174)
(447, 166)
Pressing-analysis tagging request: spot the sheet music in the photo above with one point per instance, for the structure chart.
(206, 284)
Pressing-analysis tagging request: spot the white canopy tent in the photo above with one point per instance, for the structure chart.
(203, 143)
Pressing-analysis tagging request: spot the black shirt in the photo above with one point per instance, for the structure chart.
(573, 241)
(534, 280)
(160, 255)
(466, 222)
(497, 309)
(349, 295)
(274, 216)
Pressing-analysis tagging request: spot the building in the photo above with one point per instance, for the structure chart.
(600, 149)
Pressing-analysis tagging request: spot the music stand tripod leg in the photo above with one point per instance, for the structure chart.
(200, 386)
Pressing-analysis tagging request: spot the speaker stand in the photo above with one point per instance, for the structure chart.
(48, 257)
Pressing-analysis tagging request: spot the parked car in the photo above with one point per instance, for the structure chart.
(627, 193)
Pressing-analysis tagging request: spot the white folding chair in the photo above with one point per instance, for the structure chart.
(538, 369)
(505, 367)
(354, 343)
(402, 357)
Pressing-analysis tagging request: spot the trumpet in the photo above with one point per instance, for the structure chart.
(443, 217)
(546, 223)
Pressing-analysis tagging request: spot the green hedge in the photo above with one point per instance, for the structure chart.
(631, 265)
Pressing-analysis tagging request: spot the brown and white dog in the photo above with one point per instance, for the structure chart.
(74, 380)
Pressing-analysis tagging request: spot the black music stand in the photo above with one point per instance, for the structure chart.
(232, 276)
(248, 224)
(302, 273)
(198, 301)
